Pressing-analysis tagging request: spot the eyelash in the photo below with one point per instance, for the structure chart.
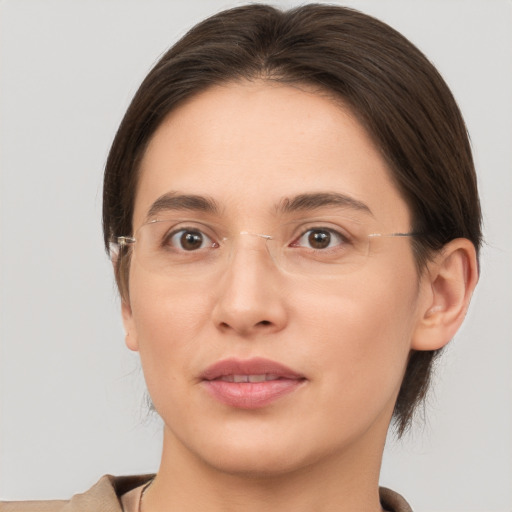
(208, 241)
(167, 239)
(332, 233)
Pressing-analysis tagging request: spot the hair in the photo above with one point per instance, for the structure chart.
(392, 88)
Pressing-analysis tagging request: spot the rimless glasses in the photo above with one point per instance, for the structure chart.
(181, 248)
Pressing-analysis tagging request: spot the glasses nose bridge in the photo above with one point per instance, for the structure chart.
(235, 247)
(258, 235)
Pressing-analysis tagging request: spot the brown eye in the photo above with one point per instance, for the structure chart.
(319, 239)
(189, 240)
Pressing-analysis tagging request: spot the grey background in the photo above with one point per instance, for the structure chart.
(71, 395)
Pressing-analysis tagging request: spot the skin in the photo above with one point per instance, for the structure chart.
(249, 146)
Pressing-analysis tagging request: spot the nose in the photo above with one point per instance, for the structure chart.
(250, 299)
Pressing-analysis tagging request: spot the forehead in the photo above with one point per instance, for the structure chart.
(251, 145)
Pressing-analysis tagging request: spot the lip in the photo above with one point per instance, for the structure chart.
(250, 395)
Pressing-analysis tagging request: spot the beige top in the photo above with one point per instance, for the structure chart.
(122, 494)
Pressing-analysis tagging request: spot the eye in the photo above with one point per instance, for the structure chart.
(320, 238)
(189, 240)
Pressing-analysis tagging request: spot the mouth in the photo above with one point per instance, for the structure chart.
(265, 377)
(250, 384)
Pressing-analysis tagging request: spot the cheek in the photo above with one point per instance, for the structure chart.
(360, 338)
(168, 324)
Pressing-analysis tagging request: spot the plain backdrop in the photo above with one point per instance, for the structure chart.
(72, 397)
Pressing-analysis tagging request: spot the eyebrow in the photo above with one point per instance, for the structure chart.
(173, 201)
(183, 202)
(314, 201)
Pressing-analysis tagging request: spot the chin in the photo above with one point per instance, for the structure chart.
(259, 457)
(257, 463)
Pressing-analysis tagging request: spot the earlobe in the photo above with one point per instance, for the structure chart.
(452, 277)
(129, 327)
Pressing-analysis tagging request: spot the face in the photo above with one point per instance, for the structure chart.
(332, 348)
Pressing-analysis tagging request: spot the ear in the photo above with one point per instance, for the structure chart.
(130, 336)
(129, 326)
(449, 282)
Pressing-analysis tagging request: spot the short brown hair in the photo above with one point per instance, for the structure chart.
(392, 88)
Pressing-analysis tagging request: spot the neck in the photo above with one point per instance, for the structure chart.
(339, 482)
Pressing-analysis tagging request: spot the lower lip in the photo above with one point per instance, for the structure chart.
(251, 395)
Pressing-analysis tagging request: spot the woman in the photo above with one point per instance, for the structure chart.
(291, 207)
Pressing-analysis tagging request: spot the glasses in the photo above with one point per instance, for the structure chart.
(179, 248)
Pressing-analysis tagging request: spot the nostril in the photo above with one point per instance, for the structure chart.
(264, 322)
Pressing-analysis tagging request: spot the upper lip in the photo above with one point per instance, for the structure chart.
(253, 366)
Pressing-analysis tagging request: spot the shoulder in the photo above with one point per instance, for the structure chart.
(32, 506)
(102, 497)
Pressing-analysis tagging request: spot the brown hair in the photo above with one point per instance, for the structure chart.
(388, 83)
